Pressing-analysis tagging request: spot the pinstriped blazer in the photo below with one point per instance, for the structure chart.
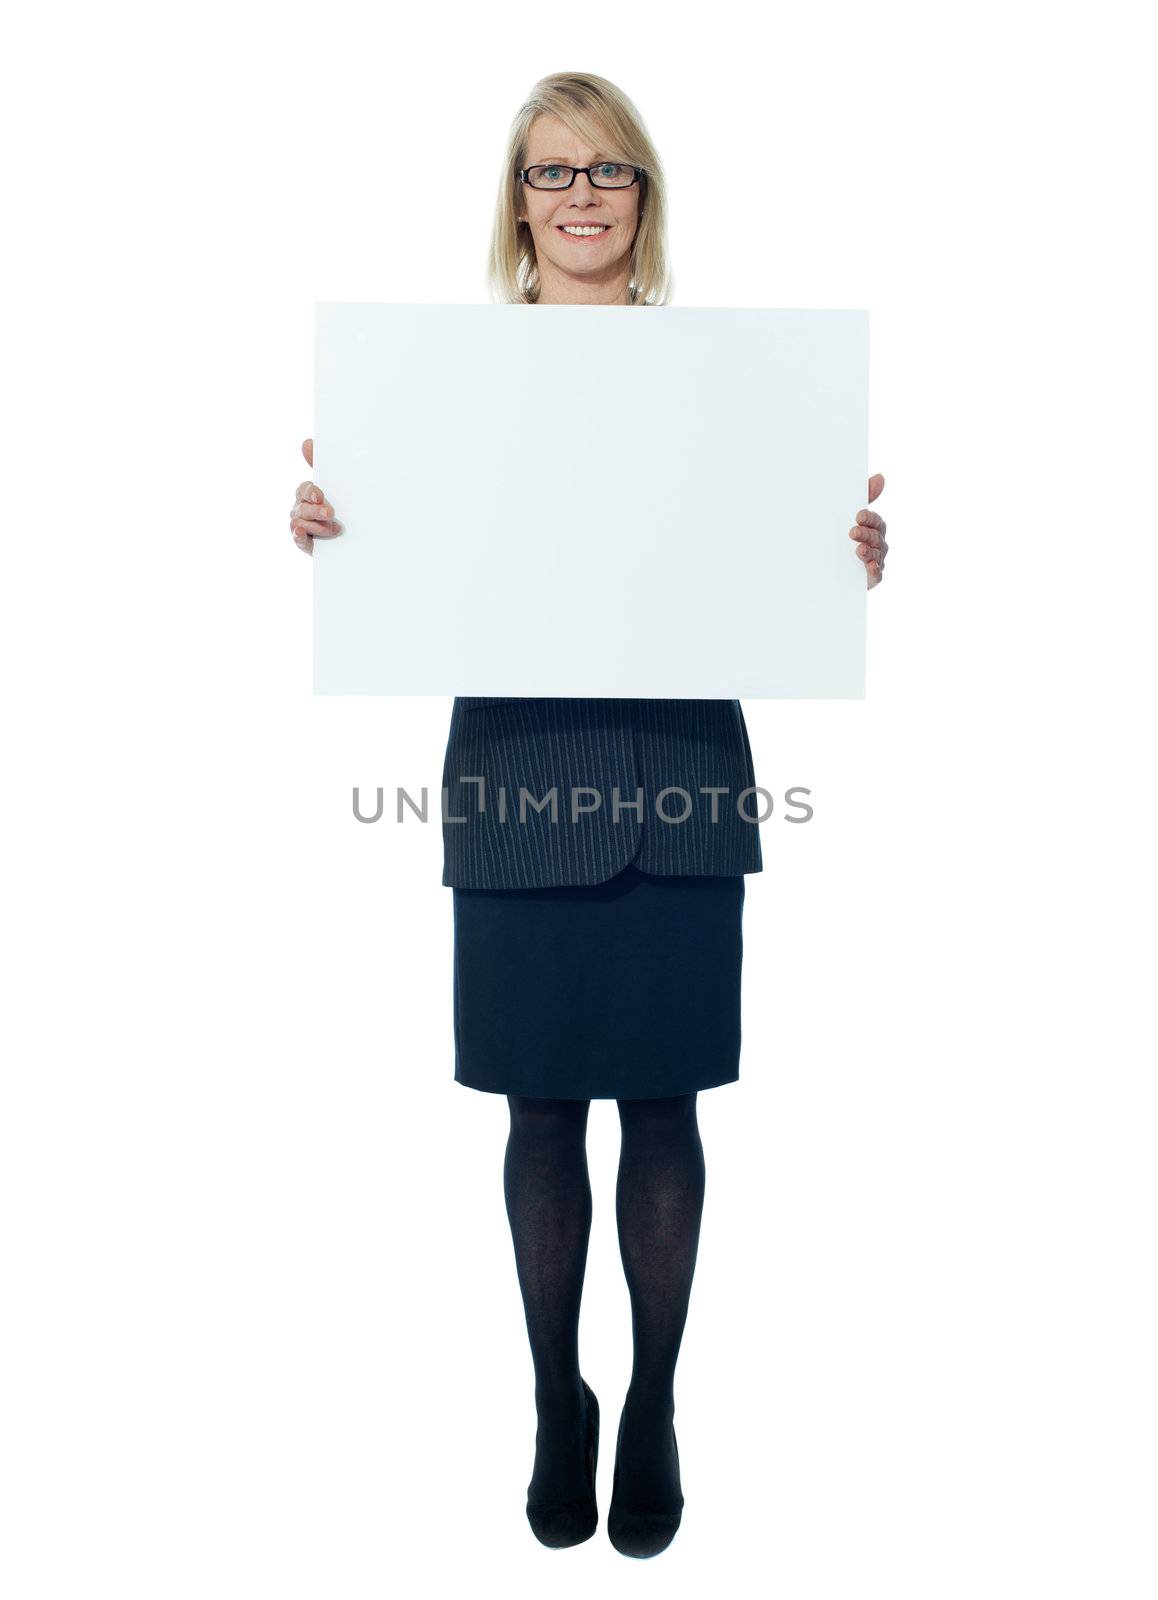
(602, 759)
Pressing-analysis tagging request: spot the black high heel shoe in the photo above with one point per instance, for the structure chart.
(562, 1523)
(642, 1531)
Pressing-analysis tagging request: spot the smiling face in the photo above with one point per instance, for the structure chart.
(590, 268)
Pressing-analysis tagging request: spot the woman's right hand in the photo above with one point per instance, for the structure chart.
(311, 518)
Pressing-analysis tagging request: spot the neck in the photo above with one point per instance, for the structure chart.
(557, 289)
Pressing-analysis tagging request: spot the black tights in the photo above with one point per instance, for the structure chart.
(659, 1199)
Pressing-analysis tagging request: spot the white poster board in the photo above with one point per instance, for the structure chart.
(590, 500)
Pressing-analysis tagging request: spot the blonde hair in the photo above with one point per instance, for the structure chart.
(594, 109)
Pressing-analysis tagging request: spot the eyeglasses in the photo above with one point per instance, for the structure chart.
(605, 175)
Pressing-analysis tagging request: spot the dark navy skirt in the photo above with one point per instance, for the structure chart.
(627, 989)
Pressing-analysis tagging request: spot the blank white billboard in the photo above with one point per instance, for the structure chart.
(590, 500)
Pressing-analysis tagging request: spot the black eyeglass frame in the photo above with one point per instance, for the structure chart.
(555, 188)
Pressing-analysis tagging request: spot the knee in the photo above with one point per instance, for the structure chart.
(547, 1118)
(673, 1114)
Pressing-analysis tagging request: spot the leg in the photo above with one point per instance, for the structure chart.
(548, 1196)
(659, 1204)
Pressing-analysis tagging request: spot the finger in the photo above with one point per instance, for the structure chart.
(872, 553)
(308, 452)
(871, 536)
(876, 479)
(304, 542)
(310, 491)
(871, 519)
(317, 508)
(875, 573)
(316, 530)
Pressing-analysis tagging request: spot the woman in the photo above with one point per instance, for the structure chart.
(596, 958)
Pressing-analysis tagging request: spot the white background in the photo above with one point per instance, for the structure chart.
(261, 1329)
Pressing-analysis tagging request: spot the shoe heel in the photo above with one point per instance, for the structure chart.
(641, 1534)
(593, 1444)
(561, 1526)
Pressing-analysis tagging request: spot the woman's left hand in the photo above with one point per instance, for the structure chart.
(870, 531)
